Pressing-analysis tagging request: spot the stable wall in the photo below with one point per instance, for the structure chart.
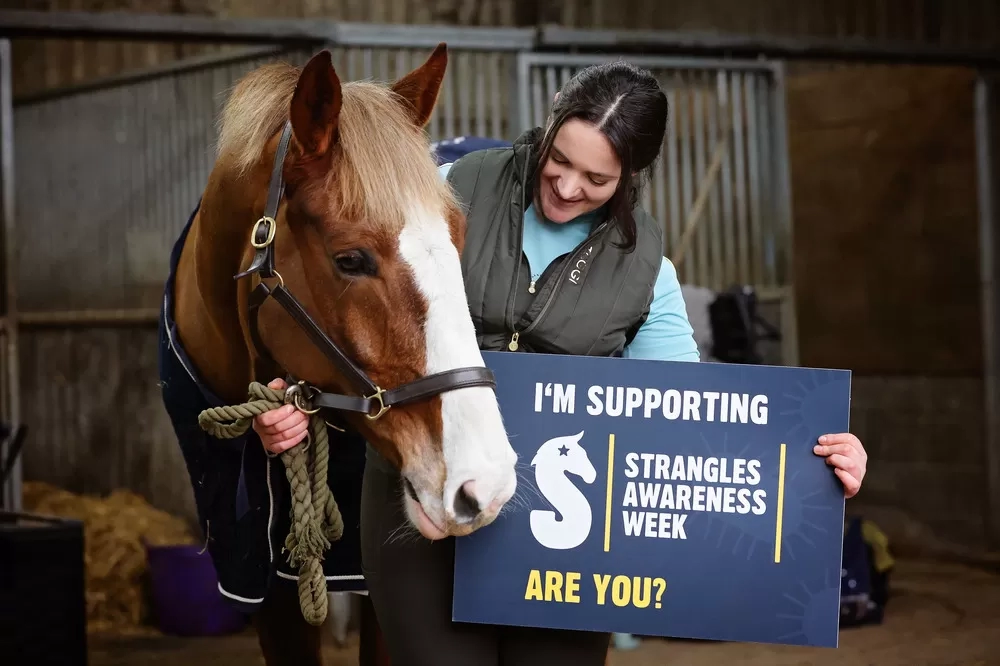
(886, 270)
(46, 64)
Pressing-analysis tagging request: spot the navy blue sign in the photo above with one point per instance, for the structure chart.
(664, 498)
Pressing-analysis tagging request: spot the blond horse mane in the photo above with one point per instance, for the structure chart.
(385, 162)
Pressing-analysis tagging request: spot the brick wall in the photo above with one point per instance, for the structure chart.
(924, 437)
(886, 261)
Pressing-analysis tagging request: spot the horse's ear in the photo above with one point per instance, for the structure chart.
(315, 107)
(419, 89)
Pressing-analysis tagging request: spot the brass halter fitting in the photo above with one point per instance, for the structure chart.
(381, 401)
(271, 231)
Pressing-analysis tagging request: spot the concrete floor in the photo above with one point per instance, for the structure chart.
(941, 615)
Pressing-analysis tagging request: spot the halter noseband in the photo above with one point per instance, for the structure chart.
(374, 401)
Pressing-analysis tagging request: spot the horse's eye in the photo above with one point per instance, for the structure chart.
(354, 263)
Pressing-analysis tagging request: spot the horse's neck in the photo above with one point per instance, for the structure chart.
(207, 297)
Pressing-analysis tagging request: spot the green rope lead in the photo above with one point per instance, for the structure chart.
(316, 520)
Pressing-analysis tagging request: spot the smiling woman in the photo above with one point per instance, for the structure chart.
(603, 133)
(583, 169)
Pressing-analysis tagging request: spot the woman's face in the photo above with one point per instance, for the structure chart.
(581, 173)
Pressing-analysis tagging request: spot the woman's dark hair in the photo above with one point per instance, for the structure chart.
(627, 104)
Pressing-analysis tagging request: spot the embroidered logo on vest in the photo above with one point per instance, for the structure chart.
(580, 266)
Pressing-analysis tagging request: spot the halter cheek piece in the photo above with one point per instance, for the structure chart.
(374, 401)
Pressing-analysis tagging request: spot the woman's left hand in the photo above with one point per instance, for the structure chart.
(845, 453)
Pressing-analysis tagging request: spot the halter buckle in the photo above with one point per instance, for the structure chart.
(381, 401)
(271, 230)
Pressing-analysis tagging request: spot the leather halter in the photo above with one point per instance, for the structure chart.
(373, 400)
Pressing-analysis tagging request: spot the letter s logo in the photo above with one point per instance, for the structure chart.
(554, 460)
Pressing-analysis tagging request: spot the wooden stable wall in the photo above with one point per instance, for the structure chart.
(886, 271)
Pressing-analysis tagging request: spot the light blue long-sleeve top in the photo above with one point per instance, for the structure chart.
(666, 334)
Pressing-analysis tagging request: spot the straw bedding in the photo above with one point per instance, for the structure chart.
(116, 529)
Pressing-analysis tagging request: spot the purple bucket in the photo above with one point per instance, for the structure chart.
(185, 593)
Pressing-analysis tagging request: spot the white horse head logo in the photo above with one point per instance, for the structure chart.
(553, 461)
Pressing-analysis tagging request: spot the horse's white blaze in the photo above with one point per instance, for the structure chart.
(474, 440)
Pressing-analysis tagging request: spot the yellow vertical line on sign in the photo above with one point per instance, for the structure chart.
(611, 479)
(781, 505)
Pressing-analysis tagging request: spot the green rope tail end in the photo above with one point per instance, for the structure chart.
(316, 519)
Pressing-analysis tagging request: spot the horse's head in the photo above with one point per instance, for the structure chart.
(369, 238)
(566, 454)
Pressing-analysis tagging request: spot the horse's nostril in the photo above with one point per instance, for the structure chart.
(466, 505)
(408, 487)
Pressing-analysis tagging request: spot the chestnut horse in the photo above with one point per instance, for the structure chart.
(325, 199)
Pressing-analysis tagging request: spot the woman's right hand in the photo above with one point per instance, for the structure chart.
(282, 428)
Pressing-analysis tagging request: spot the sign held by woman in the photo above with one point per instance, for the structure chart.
(664, 498)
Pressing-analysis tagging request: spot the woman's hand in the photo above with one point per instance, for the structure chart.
(847, 456)
(282, 428)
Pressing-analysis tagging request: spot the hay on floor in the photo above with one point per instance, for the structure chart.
(117, 529)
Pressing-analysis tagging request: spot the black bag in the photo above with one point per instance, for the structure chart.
(734, 320)
(864, 587)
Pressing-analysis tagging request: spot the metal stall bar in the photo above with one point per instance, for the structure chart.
(10, 393)
(779, 248)
(727, 231)
(987, 113)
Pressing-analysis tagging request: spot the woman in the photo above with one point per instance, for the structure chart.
(553, 228)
